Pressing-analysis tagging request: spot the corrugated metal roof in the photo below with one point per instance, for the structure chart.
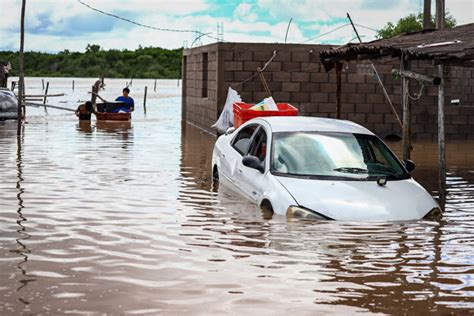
(449, 46)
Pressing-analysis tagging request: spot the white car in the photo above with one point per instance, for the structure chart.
(321, 168)
(8, 105)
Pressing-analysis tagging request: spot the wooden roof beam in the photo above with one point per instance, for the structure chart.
(413, 75)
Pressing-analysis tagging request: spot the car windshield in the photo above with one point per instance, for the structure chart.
(333, 155)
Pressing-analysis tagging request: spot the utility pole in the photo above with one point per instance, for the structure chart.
(440, 11)
(21, 83)
(426, 14)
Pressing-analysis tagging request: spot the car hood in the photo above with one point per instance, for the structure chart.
(361, 200)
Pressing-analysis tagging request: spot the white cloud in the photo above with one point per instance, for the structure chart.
(244, 11)
(462, 10)
(371, 13)
(55, 26)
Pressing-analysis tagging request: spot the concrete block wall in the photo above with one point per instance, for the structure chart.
(196, 109)
(296, 76)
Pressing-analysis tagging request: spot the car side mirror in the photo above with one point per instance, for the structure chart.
(253, 162)
(409, 165)
(230, 130)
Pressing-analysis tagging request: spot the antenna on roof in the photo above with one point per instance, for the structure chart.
(220, 31)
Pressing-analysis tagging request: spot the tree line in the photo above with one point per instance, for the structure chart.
(144, 62)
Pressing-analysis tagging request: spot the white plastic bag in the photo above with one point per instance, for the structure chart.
(226, 119)
(268, 104)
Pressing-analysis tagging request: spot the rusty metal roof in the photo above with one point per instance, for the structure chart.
(449, 47)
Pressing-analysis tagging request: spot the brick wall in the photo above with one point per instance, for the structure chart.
(296, 76)
(196, 109)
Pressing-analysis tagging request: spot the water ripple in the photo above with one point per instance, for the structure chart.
(119, 219)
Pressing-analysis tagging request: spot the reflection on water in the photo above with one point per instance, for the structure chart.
(85, 127)
(22, 250)
(123, 218)
(122, 128)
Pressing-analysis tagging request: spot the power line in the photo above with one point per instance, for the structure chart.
(324, 34)
(366, 27)
(144, 25)
(198, 38)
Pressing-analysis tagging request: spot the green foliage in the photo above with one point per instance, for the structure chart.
(145, 62)
(411, 23)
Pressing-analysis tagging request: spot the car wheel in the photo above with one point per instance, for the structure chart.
(215, 174)
(267, 209)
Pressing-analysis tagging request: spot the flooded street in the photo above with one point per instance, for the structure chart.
(123, 218)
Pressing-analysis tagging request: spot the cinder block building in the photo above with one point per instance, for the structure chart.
(296, 76)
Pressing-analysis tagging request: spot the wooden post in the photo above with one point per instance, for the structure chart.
(414, 75)
(338, 90)
(21, 87)
(3, 76)
(440, 14)
(73, 85)
(154, 88)
(95, 90)
(406, 132)
(426, 14)
(144, 100)
(441, 140)
(46, 96)
(264, 82)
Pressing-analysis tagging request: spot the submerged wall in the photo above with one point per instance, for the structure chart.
(296, 76)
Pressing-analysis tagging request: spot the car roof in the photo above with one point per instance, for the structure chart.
(311, 124)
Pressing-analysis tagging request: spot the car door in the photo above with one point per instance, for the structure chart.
(231, 156)
(251, 180)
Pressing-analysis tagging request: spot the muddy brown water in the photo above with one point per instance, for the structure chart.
(123, 218)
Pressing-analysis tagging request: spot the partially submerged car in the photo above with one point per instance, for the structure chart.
(8, 105)
(320, 168)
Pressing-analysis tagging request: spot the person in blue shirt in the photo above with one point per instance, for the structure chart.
(129, 103)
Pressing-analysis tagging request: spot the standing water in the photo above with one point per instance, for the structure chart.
(123, 218)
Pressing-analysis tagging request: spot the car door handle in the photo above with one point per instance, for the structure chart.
(223, 156)
(240, 170)
(254, 192)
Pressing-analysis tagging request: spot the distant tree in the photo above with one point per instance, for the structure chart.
(144, 61)
(92, 48)
(411, 23)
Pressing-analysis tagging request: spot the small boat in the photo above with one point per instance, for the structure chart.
(105, 116)
(105, 112)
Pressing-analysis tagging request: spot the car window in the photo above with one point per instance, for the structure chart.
(258, 148)
(378, 157)
(343, 155)
(241, 142)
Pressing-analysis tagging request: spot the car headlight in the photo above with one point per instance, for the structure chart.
(435, 213)
(301, 212)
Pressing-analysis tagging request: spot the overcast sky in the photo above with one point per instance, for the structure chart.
(55, 25)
